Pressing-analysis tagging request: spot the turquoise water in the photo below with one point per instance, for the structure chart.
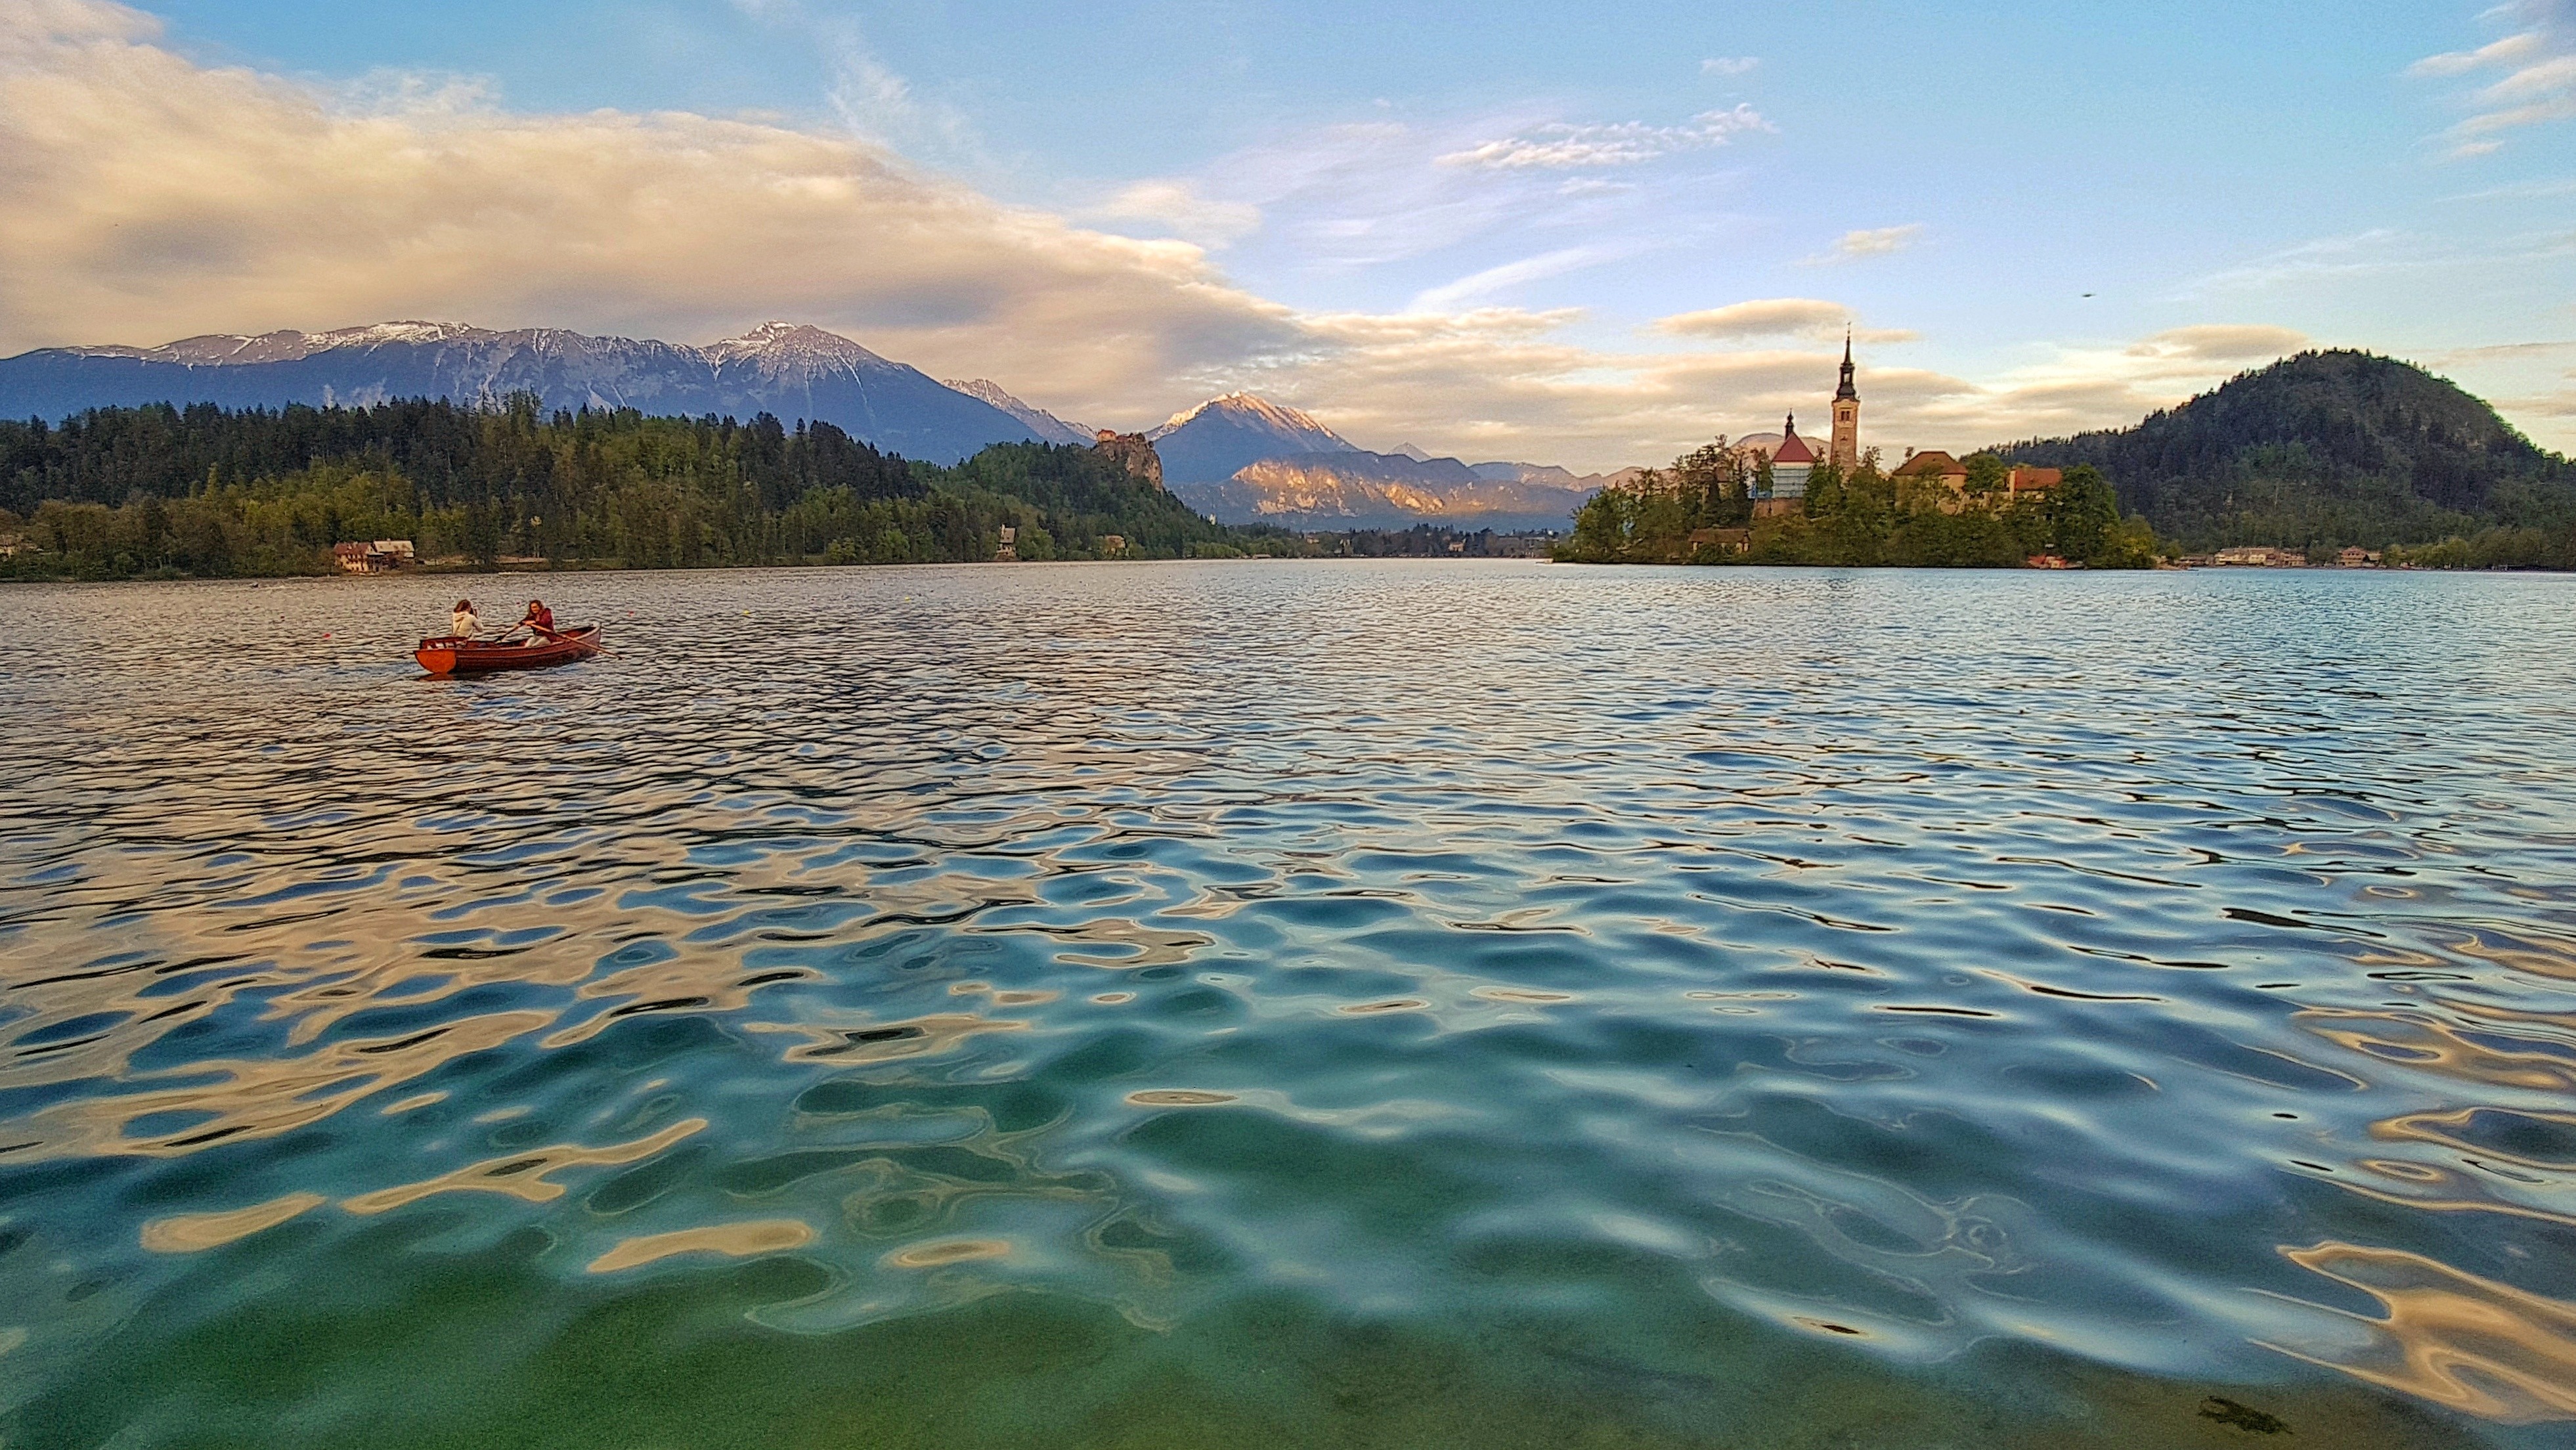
(1295, 1004)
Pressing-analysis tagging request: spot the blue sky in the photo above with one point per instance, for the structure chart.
(2225, 180)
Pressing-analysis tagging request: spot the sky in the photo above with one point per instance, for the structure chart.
(1595, 235)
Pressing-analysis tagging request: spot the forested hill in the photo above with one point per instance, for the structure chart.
(2326, 448)
(211, 491)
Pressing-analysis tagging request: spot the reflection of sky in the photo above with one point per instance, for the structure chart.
(2223, 164)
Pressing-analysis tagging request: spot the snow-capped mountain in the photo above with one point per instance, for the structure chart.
(791, 371)
(1206, 444)
(1384, 490)
(1246, 459)
(1041, 422)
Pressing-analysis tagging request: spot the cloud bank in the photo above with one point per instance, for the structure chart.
(145, 197)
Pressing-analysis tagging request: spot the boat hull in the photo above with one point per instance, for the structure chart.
(453, 656)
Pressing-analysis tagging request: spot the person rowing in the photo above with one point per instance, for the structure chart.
(539, 622)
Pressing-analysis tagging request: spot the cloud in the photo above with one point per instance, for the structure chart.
(2220, 342)
(1851, 246)
(1447, 297)
(2380, 252)
(1774, 317)
(144, 197)
(1728, 65)
(1176, 205)
(2539, 81)
(1627, 143)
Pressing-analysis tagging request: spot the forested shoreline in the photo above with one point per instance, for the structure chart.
(206, 491)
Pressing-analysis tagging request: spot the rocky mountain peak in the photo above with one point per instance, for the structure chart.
(789, 344)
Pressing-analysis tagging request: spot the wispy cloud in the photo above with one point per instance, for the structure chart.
(1624, 143)
(1876, 242)
(2539, 81)
(1175, 205)
(1448, 297)
(2378, 252)
(1773, 317)
(1728, 65)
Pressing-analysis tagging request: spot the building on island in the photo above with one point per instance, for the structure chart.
(1845, 451)
(1791, 461)
(1934, 467)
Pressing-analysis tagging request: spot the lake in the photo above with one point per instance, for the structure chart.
(1325, 1003)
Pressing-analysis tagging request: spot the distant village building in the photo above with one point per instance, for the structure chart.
(1009, 551)
(376, 556)
(2357, 557)
(2026, 479)
(1112, 545)
(2258, 556)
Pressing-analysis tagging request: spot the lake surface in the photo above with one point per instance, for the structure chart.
(1397, 1004)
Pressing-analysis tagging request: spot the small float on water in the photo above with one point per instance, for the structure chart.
(459, 655)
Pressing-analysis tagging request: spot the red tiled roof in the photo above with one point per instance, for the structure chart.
(1932, 462)
(1793, 449)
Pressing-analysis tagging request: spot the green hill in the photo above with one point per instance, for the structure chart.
(2333, 448)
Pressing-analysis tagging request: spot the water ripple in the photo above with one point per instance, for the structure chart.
(1313, 1003)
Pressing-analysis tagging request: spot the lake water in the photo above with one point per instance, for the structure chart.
(1343, 1004)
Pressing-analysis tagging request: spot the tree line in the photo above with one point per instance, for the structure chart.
(207, 491)
(1702, 510)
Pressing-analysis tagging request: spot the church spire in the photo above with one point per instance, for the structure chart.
(1845, 451)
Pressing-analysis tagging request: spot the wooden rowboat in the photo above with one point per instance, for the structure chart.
(450, 655)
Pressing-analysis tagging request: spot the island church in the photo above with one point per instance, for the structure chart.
(1793, 458)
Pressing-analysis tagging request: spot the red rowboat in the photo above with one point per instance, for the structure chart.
(450, 655)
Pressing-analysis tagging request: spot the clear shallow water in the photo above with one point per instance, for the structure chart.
(1295, 1004)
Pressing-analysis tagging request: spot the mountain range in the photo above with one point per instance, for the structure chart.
(790, 371)
(1239, 458)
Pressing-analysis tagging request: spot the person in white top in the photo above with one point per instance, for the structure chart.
(461, 623)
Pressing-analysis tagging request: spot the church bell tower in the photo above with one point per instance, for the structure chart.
(1846, 445)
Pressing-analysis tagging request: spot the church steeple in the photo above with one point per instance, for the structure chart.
(1845, 451)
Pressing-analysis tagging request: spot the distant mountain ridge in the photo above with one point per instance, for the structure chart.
(1243, 459)
(1047, 426)
(1238, 457)
(792, 371)
(2336, 447)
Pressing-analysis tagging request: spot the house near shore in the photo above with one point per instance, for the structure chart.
(374, 556)
(2258, 556)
